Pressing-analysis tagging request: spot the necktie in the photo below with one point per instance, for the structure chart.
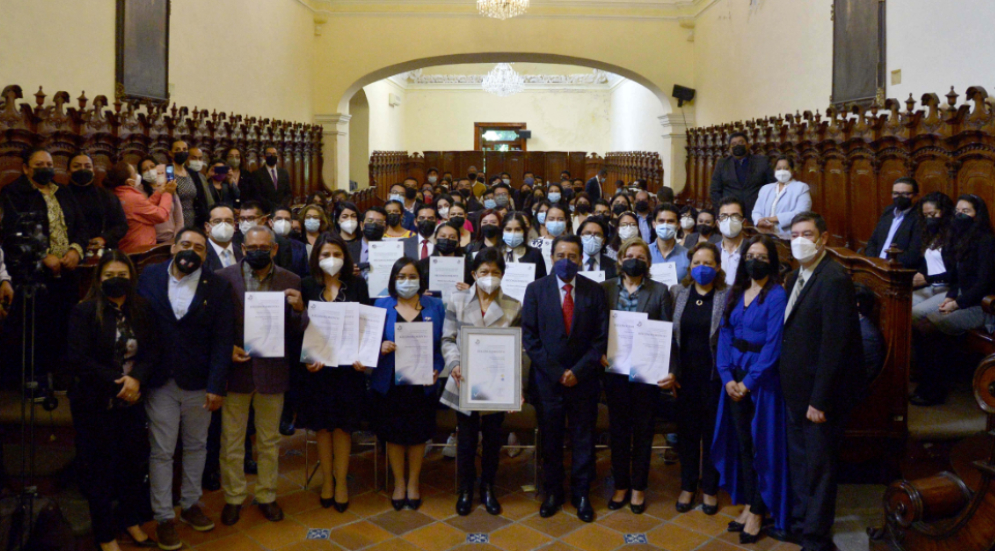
(590, 264)
(795, 293)
(276, 182)
(511, 256)
(424, 248)
(568, 307)
(226, 257)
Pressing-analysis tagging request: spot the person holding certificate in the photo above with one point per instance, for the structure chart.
(631, 404)
(483, 305)
(513, 247)
(698, 306)
(592, 232)
(406, 412)
(447, 238)
(750, 448)
(332, 397)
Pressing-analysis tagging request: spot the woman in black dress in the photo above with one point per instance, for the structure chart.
(332, 396)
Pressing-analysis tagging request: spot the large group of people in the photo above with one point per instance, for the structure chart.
(765, 365)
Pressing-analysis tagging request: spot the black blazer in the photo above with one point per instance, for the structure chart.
(20, 198)
(91, 350)
(354, 289)
(549, 347)
(908, 237)
(972, 278)
(605, 263)
(201, 211)
(103, 215)
(269, 193)
(692, 239)
(822, 350)
(593, 188)
(725, 183)
(213, 262)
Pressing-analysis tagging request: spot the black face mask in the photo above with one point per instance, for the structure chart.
(115, 287)
(490, 232)
(934, 224)
(181, 157)
(426, 228)
(583, 208)
(472, 176)
(393, 220)
(704, 229)
(633, 267)
(961, 222)
(373, 232)
(739, 150)
(81, 177)
(446, 246)
(619, 209)
(258, 259)
(271, 160)
(43, 176)
(294, 234)
(410, 193)
(757, 269)
(458, 220)
(642, 206)
(187, 261)
(902, 202)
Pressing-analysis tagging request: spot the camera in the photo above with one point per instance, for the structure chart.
(26, 249)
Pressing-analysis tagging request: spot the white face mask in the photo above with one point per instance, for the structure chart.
(407, 288)
(489, 284)
(804, 250)
(349, 226)
(331, 265)
(433, 179)
(223, 232)
(245, 226)
(783, 176)
(444, 212)
(687, 223)
(196, 166)
(149, 176)
(281, 227)
(730, 228)
(396, 197)
(628, 232)
(506, 181)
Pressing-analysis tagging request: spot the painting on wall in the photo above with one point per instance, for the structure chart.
(142, 50)
(858, 52)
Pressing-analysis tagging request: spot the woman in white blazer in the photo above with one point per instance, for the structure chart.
(780, 201)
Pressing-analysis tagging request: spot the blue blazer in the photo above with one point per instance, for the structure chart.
(549, 347)
(796, 199)
(197, 348)
(432, 310)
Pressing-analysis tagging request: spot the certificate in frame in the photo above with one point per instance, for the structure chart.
(491, 365)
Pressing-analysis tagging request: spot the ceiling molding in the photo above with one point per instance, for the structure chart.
(596, 80)
(669, 10)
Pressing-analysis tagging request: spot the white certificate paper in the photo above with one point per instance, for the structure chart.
(664, 272)
(371, 322)
(517, 276)
(382, 256)
(547, 254)
(492, 375)
(598, 276)
(264, 323)
(650, 358)
(413, 359)
(621, 330)
(323, 335)
(444, 273)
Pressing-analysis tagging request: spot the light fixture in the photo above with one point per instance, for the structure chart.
(502, 9)
(503, 81)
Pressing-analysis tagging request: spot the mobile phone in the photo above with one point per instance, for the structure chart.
(169, 173)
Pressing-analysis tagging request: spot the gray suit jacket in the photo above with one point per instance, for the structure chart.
(681, 294)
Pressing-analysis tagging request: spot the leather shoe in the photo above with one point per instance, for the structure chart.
(746, 538)
(464, 505)
(783, 535)
(326, 503)
(398, 503)
(271, 511)
(251, 467)
(684, 507)
(584, 510)
(229, 515)
(638, 509)
(616, 505)
(211, 482)
(414, 504)
(489, 500)
(550, 506)
(287, 427)
(735, 526)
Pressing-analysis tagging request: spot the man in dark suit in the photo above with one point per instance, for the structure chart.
(270, 184)
(594, 186)
(291, 255)
(223, 250)
(740, 175)
(822, 373)
(899, 226)
(565, 333)
(593, 233)
(194, 317)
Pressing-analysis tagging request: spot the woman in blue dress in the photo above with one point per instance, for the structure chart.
(750, 445)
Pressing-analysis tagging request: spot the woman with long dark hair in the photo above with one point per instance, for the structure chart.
(489, 232)
(750, 445)
(112, 349)
(935, 212)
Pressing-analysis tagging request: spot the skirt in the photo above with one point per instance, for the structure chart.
(405, 415)
(333, 398)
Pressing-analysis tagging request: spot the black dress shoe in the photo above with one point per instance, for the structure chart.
(616, 505)
(251, 467)
(710, 510)
(287, 427)
(229, 515)
(584, 510)
(638, 509)
(464, 505)
(211, 482)
(489, 500)
(414, 504)
(684, 507)
(783, 535)
(340, 507)
(271, 511)
(746, 538)
(398, 503)
(326, 503)
(735, 526)
(550, 506)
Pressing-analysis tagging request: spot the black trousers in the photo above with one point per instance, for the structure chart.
(466, 449)
(813, 458)
(112, 451)
(696, 410)
(631, 408)
(742, 417)
(581, 412)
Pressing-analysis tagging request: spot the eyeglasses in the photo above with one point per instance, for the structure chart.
(760, 257)
(908, 194)
(250, 248)
(188, 245)
(216, 221)
(724, 217)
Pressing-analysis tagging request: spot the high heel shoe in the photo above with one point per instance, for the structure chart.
(414, 503)
(340, 507)
(684, 507)
(735, 526)
(746, 538)
(710, 509)
(326, 503)
(616, 505)
(399, 503)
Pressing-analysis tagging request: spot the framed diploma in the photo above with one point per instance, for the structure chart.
(491, 365)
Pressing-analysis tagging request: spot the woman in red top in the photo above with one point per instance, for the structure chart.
(142, 213)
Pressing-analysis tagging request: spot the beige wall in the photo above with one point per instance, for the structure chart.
(359, 140)
(387, 130)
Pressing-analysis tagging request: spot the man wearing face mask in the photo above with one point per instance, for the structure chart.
(422, 245)
(257, 383)
(291, 254)
(898, 226)
(399, 193)
(731, 227)
(592, 233)
(297, 260)
(821, 370)
(665, 247)
(432, 176)
(194, 317)
(465, 190)
(220, 229)
(595, 186)
(740, 175)
(102, 213)
(565, 333)
(410, 200)
(269, 184)
(643, 215)
(374, 227)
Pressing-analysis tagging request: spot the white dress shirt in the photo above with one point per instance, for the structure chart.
(804, 274)
(226, 254)
(895, 223)
(730, 263)
(422, 241)
(181, 291)
(586, 266)
(563, 293)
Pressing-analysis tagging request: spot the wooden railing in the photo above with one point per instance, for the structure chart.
(130, 131)
(629, 166)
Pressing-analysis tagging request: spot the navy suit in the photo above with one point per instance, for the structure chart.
(553, 352)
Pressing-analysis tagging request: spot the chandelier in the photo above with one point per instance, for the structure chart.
(502, 9)
(503, 81)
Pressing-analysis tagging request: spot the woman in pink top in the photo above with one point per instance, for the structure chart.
(142, 213)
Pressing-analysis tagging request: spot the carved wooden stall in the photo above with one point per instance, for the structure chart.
(850, 158)
(127, 130)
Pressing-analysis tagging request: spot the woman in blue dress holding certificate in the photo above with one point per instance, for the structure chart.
(483, 305)
(405, 412)
(750, 445)
(332, 396)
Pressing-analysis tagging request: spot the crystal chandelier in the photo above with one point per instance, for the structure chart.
(502, 9)
(503, 81)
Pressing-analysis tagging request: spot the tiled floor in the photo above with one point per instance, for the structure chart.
(371, 523)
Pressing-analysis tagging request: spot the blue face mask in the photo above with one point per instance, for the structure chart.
(704, 275)
(312, 224)
(513, 239)
(556, 227)
(666, 231)
(565, 269)
(490, 203)
(541, 217)
(554, 197)
(407, 288)
(530, 181)
(592, 244)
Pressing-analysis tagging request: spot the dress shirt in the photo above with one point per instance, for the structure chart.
(226, 253)
(364, 254)
(586, 266)
(730, 263)
(645, 228)
(516, 253)
(275, 176)
(679, 256)
(895, 223)
(573, 290)
(422, 241)
(781, 188)
(253, 283)
(629, 302)
(181, 291)
(804, 274)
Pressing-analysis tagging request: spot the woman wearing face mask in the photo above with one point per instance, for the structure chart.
(688, 221)
(592, 236)
(233, 158)
(539, 216)
(970, 262)
(457, 215)
(112, 348)
(698, 306)
(447, 245)
(704, 230)
(932, 278)
(489, 233)
(750, 444)
(780, 201)
(631, 404)
(315, 223)
(513, 247)
(556, 222)
(482, 305)
(102, 214)
(332, 397)
(581, 205)
(153, 179)
(554, 194)
(406, 412)
(627, 227)
(395, 219)
(221, 191)
(347, 221)
(189, 188)
(141, 213)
